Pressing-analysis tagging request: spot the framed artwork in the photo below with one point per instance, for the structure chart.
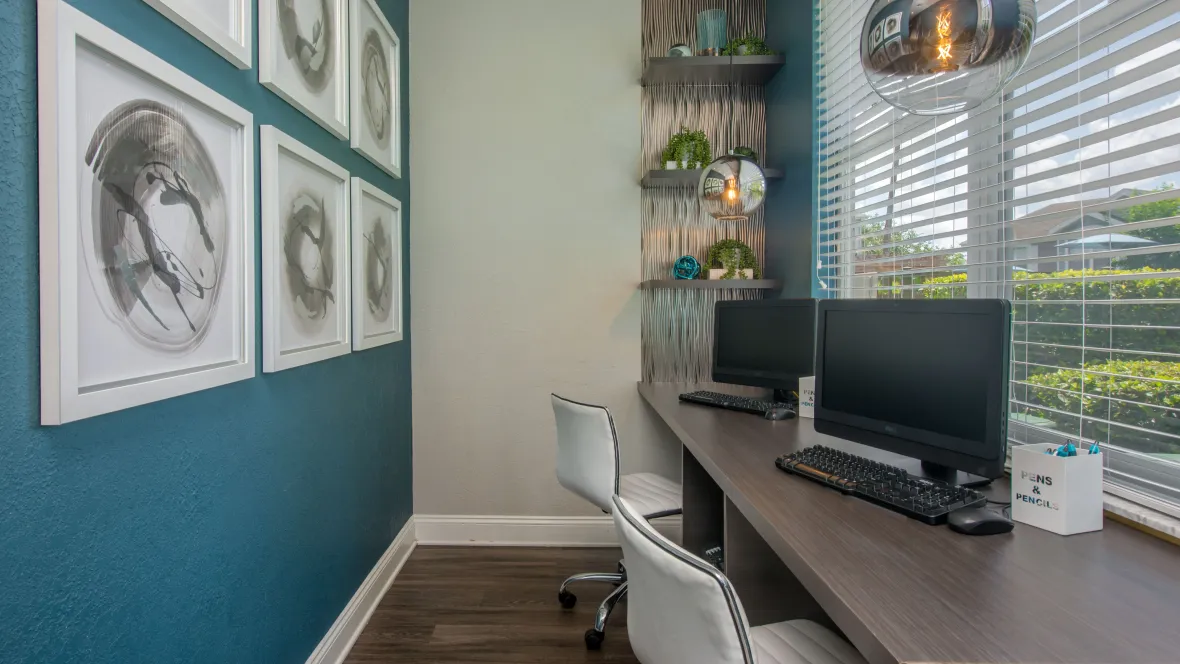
(147, 225)
(375, 100)
(303, 57)
(306, 302)
(376, 267)
(226, 26)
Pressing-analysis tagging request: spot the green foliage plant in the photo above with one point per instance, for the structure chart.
(744, 151)
(754, 46)
(702, 152)
(689, 148)
(1136, 393)
(733, 256)
(1160, 234)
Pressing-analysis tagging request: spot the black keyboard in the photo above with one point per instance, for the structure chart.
(929, 501)
(731, 402)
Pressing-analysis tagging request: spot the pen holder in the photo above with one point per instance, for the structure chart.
(1060, 494)
(807, 397)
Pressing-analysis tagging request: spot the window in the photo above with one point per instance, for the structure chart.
(1059, 194)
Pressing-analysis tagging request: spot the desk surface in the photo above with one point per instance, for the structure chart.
(903, 591)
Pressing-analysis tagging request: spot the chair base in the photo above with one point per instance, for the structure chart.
(597, 634)
(608, 605)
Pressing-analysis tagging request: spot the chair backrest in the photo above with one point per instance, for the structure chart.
(680, 609)
(587, 451)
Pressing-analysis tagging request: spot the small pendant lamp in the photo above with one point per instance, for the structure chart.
(732, 188)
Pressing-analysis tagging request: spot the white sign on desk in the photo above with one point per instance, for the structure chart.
(807, 397)
(1060, 494)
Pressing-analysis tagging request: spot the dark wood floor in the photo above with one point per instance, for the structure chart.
(468, 604)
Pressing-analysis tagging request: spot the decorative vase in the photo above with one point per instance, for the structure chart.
(711, 31)
(671, 165)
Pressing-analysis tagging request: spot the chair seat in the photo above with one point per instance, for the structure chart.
(801, 642)
(651, 495)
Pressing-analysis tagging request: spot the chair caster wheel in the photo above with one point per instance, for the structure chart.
(567, 599)
(594, 639)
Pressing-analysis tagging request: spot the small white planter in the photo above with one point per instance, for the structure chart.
(715, 274)
(682, 166)
(1060, 494)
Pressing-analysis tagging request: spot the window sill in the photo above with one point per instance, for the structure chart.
(1158, 524)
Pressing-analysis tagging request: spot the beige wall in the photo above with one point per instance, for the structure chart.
(524, 144)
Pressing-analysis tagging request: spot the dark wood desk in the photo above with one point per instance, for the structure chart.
(902, 591)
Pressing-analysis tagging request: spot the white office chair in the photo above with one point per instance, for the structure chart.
(588, 465)
(681, 610)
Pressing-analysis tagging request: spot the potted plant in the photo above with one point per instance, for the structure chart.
(687, 149)
(676, 152)
(732, 259)
(748, 45)
(743, 151)
(702, 152)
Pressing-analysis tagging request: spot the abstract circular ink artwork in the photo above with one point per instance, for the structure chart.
(307, 253)
(375, 82)
(308, 39)
(378, 271)
(155, 250)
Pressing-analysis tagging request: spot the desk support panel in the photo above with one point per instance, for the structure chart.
(769, 591)
(703, 520)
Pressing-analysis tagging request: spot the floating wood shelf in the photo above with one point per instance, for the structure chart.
(659, 179)
(711, 284)
(712, 70)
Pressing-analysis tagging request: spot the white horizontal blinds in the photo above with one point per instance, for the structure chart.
(1057, 194)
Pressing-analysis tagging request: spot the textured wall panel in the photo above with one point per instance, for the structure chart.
(677, 325)
(678, 332)
(674, 225)
(668, 22)
(668, 107)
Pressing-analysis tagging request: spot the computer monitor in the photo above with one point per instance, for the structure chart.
(923, 378)
(764, 343)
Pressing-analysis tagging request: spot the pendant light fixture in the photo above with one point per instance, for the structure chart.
(934, 57)
(732, 186)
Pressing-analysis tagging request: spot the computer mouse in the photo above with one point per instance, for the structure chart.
(979, 521)
(780, 413)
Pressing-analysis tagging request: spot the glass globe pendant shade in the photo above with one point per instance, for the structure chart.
(731, 188)
(932, 57)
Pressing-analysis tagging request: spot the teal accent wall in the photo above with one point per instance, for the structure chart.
(790, 239)
(230, 525)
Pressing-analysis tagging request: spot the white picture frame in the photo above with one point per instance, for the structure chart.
(231, 36)
(375, 60)
(304, 59)
(306, 295)
(377, 298)
(146, 253)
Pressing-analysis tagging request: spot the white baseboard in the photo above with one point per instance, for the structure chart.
(334, 647)
(468, 530)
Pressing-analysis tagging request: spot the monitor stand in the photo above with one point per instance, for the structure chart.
(935, 471)
(784, 396)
